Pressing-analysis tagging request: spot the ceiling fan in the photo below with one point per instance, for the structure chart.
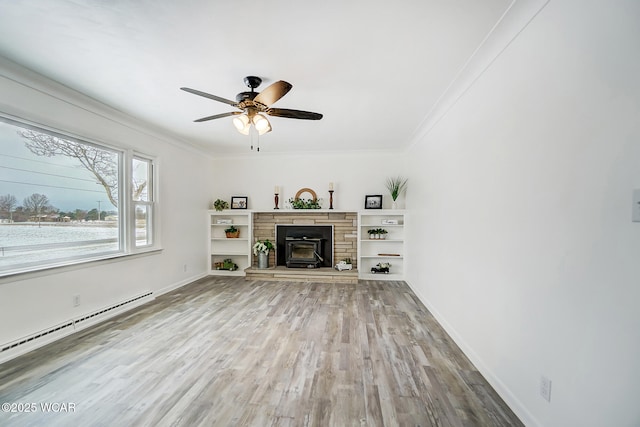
(255, 105)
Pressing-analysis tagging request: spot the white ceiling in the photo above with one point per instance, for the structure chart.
(375, 69)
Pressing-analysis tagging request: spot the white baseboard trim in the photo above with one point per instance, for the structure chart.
(505, 393)
(179, 284)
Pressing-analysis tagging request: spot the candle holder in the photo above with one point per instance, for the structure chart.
(276, 200)
(330, 199)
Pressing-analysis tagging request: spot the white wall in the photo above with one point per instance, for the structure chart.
(521, 237)
(354, 175)
(34, 302)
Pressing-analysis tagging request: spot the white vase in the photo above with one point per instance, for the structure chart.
(263, 260)
(394, 205)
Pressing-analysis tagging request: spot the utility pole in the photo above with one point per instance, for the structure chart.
(99, 209)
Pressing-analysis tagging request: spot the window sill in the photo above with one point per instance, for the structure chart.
(71, 265)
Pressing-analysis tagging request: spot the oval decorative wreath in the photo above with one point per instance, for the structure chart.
(299, 203)
(306, 190)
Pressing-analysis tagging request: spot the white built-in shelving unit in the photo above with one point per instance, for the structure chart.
(391, 249)
(222, 247)
(388, 250)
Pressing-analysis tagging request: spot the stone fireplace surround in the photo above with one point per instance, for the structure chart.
(345, 229)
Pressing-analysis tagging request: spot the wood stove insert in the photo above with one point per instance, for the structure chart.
(304, 246)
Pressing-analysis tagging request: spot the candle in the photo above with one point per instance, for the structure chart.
(331, 186)
(277, 190)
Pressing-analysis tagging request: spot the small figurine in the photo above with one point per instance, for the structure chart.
(345, 264)
(381, 267)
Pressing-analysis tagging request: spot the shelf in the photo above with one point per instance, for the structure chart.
(228, 254)
(214, 272)
(236, 248)
(369, 250)
(380, 276)
(381, 256)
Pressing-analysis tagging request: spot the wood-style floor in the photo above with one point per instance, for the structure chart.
(228, 352)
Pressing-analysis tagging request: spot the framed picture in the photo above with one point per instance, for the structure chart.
(373, 202)
(239, 202)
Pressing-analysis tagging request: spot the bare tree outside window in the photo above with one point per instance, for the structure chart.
(36, 204)
(101, 163)
(7, 204)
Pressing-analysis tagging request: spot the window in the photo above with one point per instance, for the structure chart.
(60, 199)
(142, 196)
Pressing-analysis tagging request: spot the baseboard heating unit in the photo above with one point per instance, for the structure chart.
(38, 339)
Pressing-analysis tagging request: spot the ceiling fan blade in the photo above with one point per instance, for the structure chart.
(219, 116)
(208, 95)
(273, 92)
(293, 114)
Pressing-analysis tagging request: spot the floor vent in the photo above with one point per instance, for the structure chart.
(71, 323)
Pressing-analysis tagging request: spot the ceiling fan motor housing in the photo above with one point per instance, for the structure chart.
(246, 96)
(252, 82)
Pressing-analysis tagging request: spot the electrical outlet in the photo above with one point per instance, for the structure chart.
(545, 388)
(185, 268)
(76, 300)
(635, 213)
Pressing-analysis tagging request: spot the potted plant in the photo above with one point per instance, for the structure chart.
(228, 264)
(220, 205)
(377, 233)
(261, 249)
(396, 185)
(232, 232)
(305, 203)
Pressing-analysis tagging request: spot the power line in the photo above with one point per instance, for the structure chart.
(40, 161)
(52, 186)
(49, 174)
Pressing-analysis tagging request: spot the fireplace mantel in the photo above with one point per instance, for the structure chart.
(303, 211)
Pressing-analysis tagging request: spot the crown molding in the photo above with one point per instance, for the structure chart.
(513, 21)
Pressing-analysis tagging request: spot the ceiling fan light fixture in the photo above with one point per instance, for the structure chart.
(242, 123)
(262, 124)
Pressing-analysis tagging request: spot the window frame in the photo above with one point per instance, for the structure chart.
(150, 204)
(126, 206)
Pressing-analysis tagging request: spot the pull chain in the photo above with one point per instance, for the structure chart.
(253, 132)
